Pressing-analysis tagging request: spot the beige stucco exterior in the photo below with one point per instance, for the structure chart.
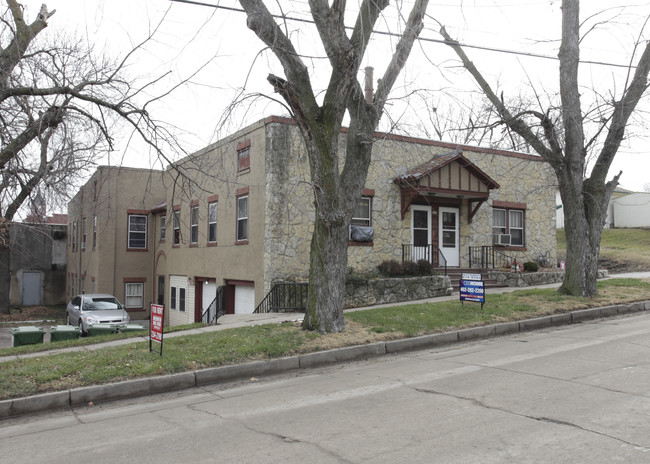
(105, 264)
(281, 214)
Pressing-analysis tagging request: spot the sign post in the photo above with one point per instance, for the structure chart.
(156, 326)
(472, 288)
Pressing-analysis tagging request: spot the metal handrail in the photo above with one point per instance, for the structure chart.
(217, 308)
(286, 296)
(430, 252)
(488, 256)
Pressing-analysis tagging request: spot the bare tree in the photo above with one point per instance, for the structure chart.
(60, 104)
(558, 135)
(335, 189)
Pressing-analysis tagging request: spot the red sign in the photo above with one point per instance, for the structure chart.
(156, 332)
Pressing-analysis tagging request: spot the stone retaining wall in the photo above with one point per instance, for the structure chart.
(527, 279)
(392, 290)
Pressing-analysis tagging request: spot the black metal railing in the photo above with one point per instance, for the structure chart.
(429, 253)
(286, 296)
(486, 257)
(217, 308)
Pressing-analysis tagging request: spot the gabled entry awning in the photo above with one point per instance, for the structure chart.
(448, 175)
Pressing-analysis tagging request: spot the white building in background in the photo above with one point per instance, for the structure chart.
(626, 209)
(631, 210)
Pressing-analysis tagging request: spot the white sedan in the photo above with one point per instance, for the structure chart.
(95, 308)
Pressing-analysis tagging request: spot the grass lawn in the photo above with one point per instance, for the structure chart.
(73, 369)
(629, 246)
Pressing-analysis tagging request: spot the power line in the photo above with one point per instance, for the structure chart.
(422, 39)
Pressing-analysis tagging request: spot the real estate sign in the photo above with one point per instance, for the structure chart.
(156, 326)
(472, 290)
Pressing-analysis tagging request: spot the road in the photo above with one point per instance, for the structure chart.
(574, 394)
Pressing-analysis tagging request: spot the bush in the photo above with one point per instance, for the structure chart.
(393, 268)
(390, 268)
(531, 266)
(409, 268)
(425, 268)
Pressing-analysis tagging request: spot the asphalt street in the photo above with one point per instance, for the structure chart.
(571, 394)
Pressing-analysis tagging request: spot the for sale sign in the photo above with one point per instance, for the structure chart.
(472, 290)
(156, 326)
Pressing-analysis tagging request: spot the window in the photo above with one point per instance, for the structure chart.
(508, 226)
(163, 227)
(137, 231)
(94, 232)
(177, 227)
(244, 159)
(172, 296)
(361, 215)
(134, 295)
(194, 224)
(83, 234)
(181, 299)
(212, 223)
(74, 235)
(242, 218)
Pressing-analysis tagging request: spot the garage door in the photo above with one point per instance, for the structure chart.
(244, 299)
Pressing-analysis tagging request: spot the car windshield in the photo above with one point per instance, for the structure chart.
(94, 304)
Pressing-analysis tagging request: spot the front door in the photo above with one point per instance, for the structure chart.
(449, 240)
(421, 232)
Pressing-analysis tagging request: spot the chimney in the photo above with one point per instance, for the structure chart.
(368, 85)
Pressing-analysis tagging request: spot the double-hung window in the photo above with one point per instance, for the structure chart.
(177, 228)
(212, 222)
(361, 215)
(134, 295)
(242, 218)
(194, 224)
(83, 234)
(508, 226)
(137, 231)
(163, 227)
(94, 232)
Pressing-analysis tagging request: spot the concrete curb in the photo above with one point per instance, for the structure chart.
(211, 376)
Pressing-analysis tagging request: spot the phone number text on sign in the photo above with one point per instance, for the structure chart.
(472, 290)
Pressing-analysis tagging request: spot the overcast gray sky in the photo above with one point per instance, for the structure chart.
(191, 36)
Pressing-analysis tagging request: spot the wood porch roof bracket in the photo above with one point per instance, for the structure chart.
(410, 187)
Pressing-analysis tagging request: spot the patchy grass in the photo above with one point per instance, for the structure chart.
(189, 352)
(621, 250)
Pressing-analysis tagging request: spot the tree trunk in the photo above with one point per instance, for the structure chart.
(328, 266)
(5, 279)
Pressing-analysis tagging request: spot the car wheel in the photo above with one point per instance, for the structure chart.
(82, 332)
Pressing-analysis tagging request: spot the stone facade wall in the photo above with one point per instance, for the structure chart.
(527, 279)
(290, 211)
(394, 290)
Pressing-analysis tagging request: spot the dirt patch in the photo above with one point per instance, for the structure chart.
(31, 313)
(354, 334)
(618, 267)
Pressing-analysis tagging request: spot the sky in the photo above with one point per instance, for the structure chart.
(223, 61)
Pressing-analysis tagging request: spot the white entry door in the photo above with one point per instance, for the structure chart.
(421, 232)
(449, 240)
(244, 299)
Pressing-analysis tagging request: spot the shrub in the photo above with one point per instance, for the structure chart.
(425, 268)
(390, 268)
(531, 266)
(409, 268)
